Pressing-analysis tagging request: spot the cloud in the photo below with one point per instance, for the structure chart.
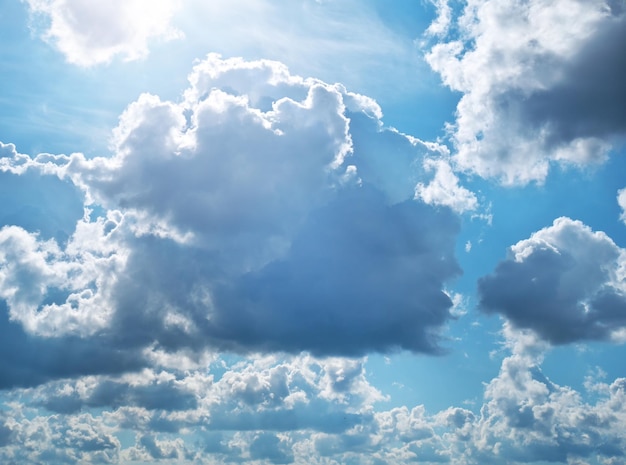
(360, 276)
(337, 41)
(444, 188)
(565, 283)
(214, 224)
(541, 83)
(29, 360)
(621, 201)
(301, 408)
(221, 217)
(90, 33)
(269, 446)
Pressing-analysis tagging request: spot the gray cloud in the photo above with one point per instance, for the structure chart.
(586, 103)
(269, 446)
(27, 360)
(360, 276)
(162, 396)
(563, 282)
(249, 225)
(541, 84)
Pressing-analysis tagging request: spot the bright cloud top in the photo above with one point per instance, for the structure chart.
(542, 82)
(90, 33)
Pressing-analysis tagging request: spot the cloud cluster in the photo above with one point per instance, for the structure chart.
(308, 410)
(89, 33)
(260, 212)
(541, 83)
(565, 282)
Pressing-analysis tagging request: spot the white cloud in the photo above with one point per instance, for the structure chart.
(262, 180)
(277, 408)
(90, 33)
(540, 83)
(55, 292)
(217, 220)
(444, 188)
(566, 282)
(337, 41)
(621, 200)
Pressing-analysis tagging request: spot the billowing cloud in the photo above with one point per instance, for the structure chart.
(527, 417)
(261, 215)
(565, 282)
(89, 33)
(541, 83)
(444, 188)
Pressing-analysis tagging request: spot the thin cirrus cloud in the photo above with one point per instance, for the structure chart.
(541, 84)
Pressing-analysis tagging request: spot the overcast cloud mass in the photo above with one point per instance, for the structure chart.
(261, 269)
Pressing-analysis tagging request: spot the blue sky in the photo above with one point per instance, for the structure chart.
(313, 232)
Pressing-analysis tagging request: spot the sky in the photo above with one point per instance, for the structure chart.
(313, 232)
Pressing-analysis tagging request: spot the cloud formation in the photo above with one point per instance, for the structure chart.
(89, 33)
(304, 409)
(621, 201)
(444, 188)
(565, 282)
(261, 212)
(541, 83)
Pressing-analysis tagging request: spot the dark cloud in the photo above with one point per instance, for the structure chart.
(360, 276)
(28, 360)
(559, 284)
(5, 433)
(256, 230)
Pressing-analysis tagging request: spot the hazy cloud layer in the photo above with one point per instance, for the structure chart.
(541, 82)
(565, 282)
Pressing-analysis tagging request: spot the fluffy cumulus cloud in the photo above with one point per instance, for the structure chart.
(541, 83)
(566, 283)
(309, 410)
(444, 189)
(262, 214)
(89, 33)
(526, 417)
